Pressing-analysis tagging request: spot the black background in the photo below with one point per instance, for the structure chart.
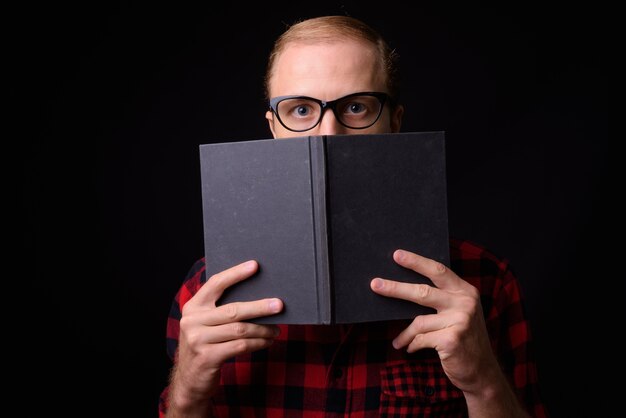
(113, 100)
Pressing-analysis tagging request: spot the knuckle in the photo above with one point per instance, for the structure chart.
(463, 320)
(187, 308)
(418, 339)
(241, 346)
(213, 280)
(239, 329)
(416, 343)
(193, 338)
(232, 310)
(474, 294)
(471, 304)
(423, 291)
(450, 340)
(418, 324)
(184, 322)
(440, 268)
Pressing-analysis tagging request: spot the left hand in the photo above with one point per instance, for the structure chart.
(457, 330)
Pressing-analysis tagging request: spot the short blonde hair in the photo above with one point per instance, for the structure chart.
(329, 29)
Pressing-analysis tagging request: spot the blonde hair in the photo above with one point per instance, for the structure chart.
(330, 29)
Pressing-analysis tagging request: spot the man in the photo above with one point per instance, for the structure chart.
(335, 75)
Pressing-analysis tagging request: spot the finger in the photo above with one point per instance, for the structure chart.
(236, 331)
(435, 339)
(227, 350)
(242, 311)
(213, 289)
(422, 294)
(441, 276)
(422, 324)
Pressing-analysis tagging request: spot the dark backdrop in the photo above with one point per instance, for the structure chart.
(117, 98)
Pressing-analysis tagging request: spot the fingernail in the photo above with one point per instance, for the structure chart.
(400, 255)
(378, 284)
(250, 265)
(274, 305)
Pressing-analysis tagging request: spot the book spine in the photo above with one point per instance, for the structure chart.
(320, 227)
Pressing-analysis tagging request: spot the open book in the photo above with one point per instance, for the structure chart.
(323, 215)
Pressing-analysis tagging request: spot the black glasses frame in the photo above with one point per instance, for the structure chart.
(331, 104)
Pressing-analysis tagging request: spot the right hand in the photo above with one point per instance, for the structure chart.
(211, 334)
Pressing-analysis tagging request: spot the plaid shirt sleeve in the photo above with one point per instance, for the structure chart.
(332, 371)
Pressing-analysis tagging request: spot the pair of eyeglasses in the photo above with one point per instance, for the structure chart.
(354, 111)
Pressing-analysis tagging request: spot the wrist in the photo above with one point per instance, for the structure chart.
(494, 398)
(182, 405)
(185, 401)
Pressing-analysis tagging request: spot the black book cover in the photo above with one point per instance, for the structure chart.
(323, 215)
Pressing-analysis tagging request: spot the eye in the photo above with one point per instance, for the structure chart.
(303, 110)
(361, 106)
(298, 108)
(355, 107)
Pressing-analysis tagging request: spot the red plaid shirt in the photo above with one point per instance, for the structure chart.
(352, 370)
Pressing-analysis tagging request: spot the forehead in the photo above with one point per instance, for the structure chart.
(327, 70)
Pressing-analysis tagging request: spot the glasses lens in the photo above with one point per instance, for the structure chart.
(359, 111)
(299, 114)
